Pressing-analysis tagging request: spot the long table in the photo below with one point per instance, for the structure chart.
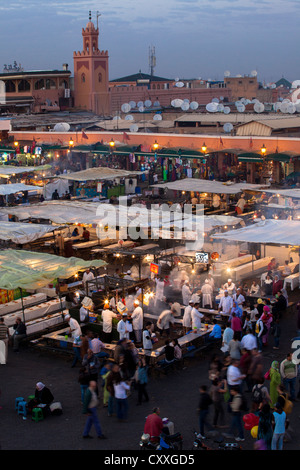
(37, 311)
(41, 324)
(16, 305)
(59, 337)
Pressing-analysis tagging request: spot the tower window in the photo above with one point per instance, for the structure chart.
(83, 78)
(100, 77)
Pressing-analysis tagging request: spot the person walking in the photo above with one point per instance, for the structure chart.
(217, 392)
(236, 404)
(90, 410)
(265, 427)
(288, 371)
(204, 404)
(275, 380)
(279, 428)
(142, 380)
(121, 388)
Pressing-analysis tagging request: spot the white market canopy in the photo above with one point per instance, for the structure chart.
(293, 192)
(93, 213)
(21, 233)
(6, 189)
(31, 270)
(279, 232)
(207, 186)
(99, 174)
(8, 171)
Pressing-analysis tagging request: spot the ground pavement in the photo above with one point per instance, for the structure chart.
(176, 394)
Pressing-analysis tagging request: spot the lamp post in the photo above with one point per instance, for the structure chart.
(263, 150)
(203, 148)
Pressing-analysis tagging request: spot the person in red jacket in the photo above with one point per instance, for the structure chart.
(154, 425)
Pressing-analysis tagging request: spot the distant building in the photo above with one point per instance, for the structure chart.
(36, 91)
(242, 87)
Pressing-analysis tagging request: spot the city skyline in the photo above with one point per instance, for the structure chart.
(192, 38)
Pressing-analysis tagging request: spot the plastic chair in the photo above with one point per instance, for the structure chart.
(31, 397)
(37, 414)
(22, 408)
(17, 401)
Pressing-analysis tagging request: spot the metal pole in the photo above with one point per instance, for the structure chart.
(22, 303)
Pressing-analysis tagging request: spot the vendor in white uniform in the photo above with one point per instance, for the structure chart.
(187, 317)
(226, 303)
(137, 321)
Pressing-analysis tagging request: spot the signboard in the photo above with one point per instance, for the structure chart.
(154, 268)
(202, 257)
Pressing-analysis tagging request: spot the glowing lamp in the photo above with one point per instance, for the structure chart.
(263, 149)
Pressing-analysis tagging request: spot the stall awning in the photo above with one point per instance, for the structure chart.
(278, 232)
(14, 188)
(21, 233)
(207, 186)
(7, 171)
(31, 270)
(99, 174)
(250, 157)
(282, 156)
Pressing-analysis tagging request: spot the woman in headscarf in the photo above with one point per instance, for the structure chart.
(42, 396)
(275, 380)
(267, 319)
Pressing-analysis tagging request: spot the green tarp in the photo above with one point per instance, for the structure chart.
(31, 270)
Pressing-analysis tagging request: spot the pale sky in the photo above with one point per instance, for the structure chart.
(192, 38)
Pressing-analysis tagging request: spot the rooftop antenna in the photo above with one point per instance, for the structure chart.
(98, 14)
(152, 60)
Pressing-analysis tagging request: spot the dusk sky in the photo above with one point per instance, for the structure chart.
(192, 38)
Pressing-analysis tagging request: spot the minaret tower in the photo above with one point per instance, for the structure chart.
(91, 81)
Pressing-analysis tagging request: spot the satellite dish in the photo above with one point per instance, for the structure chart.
(296, 84)
(180, 84)
(241, 108)
(211, 107)
(140, 103)
(132, 104)
(215, 100)
(129, 117)
(194, 105)
(221, 98)
(277, 106)
(176, 79)
(134, 128)
(177, 103)
(291, 109)
(238, 75)
(238, 103)
(157, 117)
(284, 107)
(286, 100)
(297, 107)
(220, 108)
(186, 100)
(228, 127)
(253, 73)
(273, 86)
(227, 73)
(156, 104)
(148, 104)
(141, 109)
(62, 127)
(185, 106)
(259, 107)
(116, 118)
(125, 108)
(226, 110)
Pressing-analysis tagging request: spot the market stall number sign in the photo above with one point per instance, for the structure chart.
(154, 268)
(202, 257)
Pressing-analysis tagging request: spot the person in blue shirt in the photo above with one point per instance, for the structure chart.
(279, 429)
(216, 333)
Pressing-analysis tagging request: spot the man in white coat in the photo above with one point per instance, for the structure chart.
(207, 292)
(124, 327)
(226, 303)
(137, 321)
(186, 293)
(239, 298)
(159, 290)
(187, 317)
(230, 287)
(107, 316)
(196, 317)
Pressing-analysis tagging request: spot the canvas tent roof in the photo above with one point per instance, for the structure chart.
(31, 270)
(269, 231)
(24, 233)
(14, 188)
(98, 174)
(7, 171)
(206, 186)
(294, 193)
